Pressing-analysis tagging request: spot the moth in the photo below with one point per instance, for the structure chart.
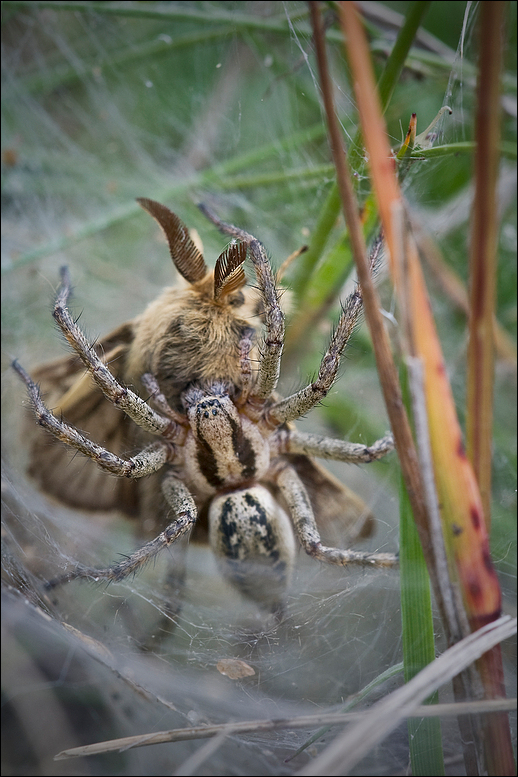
(181, 426)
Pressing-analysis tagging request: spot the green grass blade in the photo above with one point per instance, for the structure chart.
(424, 735)
(418, 642)
(306, 278)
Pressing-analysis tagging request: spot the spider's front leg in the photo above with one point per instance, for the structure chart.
(185, 512)
(306, 529)
(144, 463)
(135, 407)
(298, 404)
(273, 343)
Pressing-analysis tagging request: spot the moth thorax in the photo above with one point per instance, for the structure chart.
(252, 538)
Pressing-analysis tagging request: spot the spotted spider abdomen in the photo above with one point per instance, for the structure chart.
(252, 538)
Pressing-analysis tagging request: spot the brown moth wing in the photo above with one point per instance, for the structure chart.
(341, 515)
(71, 394)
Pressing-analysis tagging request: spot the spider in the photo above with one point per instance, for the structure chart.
(223, 444)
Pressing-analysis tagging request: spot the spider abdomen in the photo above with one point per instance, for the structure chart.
(253, 540)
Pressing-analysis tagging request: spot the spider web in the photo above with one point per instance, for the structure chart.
(99, 109)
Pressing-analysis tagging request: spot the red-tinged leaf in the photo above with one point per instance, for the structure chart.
(459, 497)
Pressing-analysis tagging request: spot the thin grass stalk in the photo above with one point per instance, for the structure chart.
(425, 744)
(305, 721)
(483, 268)
(424, 737)
(483, 252)
(455, 289)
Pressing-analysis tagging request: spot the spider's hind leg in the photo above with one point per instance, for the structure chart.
(299, 504)
(185, 513)
(293, 441)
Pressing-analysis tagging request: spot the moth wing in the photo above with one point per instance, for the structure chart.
(70, 393)
(341, 515)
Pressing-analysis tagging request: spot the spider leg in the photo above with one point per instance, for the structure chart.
(151, 384)
(172, 590)
(293, 441)
(273, 343)
(185, 512)
(298, 404)
(119, 395)
(306, 529)
(245, 367)
(144, 463)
